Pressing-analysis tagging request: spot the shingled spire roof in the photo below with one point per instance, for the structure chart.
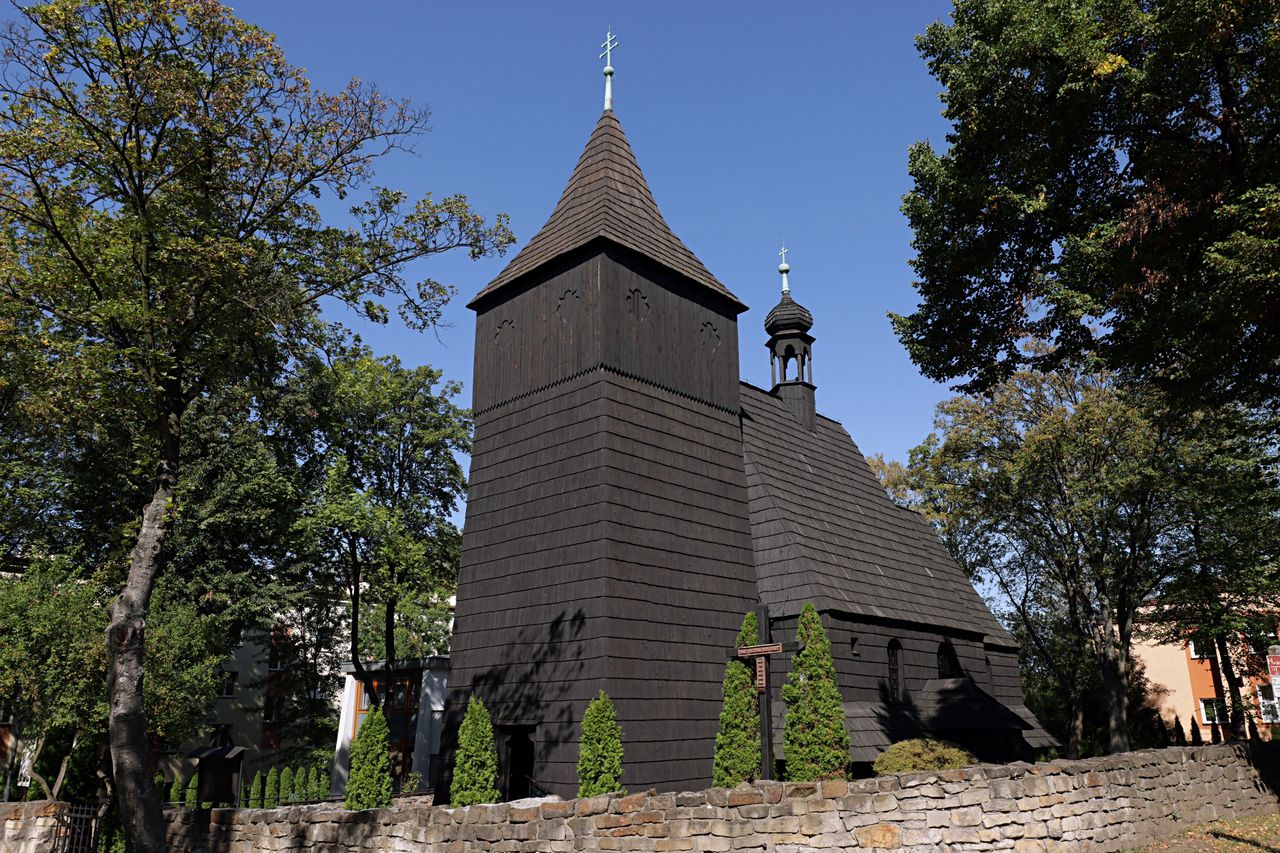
(607, 196)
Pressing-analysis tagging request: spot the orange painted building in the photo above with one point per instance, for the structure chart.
(1181, 677)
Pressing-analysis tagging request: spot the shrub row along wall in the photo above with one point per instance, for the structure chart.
(1109, 803)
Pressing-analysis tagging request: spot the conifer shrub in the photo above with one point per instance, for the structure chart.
(737, 757)
(1196, 739)
(369, 785)
(193, 793)
(475, 767)
(1179, 733)
(600, 749)
(271, 796)
(286, 786)
(908, 756)
(255, 791)
(161, 784)
(322, 785)
(814, 739)
(176, 789)
(313, 785)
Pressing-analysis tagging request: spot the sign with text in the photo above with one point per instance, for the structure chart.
(1273, 667)
(762, 679)
(757, 651)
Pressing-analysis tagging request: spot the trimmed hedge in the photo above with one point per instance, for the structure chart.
(908, 756)
(475, 769)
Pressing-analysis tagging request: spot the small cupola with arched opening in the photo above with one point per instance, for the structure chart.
(791, 351)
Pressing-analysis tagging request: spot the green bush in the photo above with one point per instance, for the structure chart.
(255, 791)
(737, 756)
(412, 782)
(322, 785)
(271, 797)
(475, 767)
(312, 785)
(193, 794)
(286, 786)
(176, 789)
(907, 756)
(600, 749)
(369, 785)
(814, 739)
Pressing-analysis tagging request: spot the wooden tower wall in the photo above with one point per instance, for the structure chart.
(607, 543)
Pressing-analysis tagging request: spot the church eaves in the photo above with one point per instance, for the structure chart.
(608, 197)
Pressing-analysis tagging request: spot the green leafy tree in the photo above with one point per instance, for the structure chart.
(160, 163)
(1110, 183)
(814, 739)
(379, 516)
(255, 791)
(600, 749)
(271, 798)
(369, 784)
(475, 766)
(737, 756)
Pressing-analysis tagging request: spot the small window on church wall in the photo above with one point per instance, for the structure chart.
(895, 671)
(948, 663)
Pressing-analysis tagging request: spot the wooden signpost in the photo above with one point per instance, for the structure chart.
(760, 654)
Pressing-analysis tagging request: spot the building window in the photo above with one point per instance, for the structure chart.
(1200, 650)
(227, 688)
(895, 671)
(1268, 709)
(1212, 710)
(948, 663)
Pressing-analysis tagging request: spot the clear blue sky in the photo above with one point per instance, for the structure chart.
(753, 122)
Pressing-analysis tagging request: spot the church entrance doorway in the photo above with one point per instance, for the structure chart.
(515, 762)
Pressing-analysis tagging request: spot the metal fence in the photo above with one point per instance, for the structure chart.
(76, 830)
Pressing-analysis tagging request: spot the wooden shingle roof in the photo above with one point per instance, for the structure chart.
(825, 531)
(607, 196)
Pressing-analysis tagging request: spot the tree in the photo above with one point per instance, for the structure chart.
(369, 784)
(1109, 184)
(255, 791)
(159, 162)
(600, 749)
(814, 739)
(379, 516)
(475, 767)
(271, 799)
(193, 793)
(1055, 488)
(737, 755)
(176, 791)
(51, 662)
(313, 786)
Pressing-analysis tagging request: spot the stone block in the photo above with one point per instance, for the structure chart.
(885, 836)
(588, 806)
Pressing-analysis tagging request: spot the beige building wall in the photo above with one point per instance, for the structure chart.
(1166, 667)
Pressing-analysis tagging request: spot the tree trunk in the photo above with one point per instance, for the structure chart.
(1215, 672)
(389, 631)
(139, 801)
(1075, 735)
(1114, 686)
(1236, 712)
(362, 675)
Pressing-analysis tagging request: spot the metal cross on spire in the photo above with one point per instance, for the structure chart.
(610, 42)
(784, 268)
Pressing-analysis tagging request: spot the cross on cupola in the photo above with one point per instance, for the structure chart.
(610, 42)
(791, 350)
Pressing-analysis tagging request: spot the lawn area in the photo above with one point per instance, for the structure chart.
(1247, 835)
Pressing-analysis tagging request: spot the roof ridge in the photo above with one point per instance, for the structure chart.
(607, 184)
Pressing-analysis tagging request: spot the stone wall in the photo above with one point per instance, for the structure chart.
(29, 827)
(1111, 803)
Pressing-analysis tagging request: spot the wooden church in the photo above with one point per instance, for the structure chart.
(630, 499)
